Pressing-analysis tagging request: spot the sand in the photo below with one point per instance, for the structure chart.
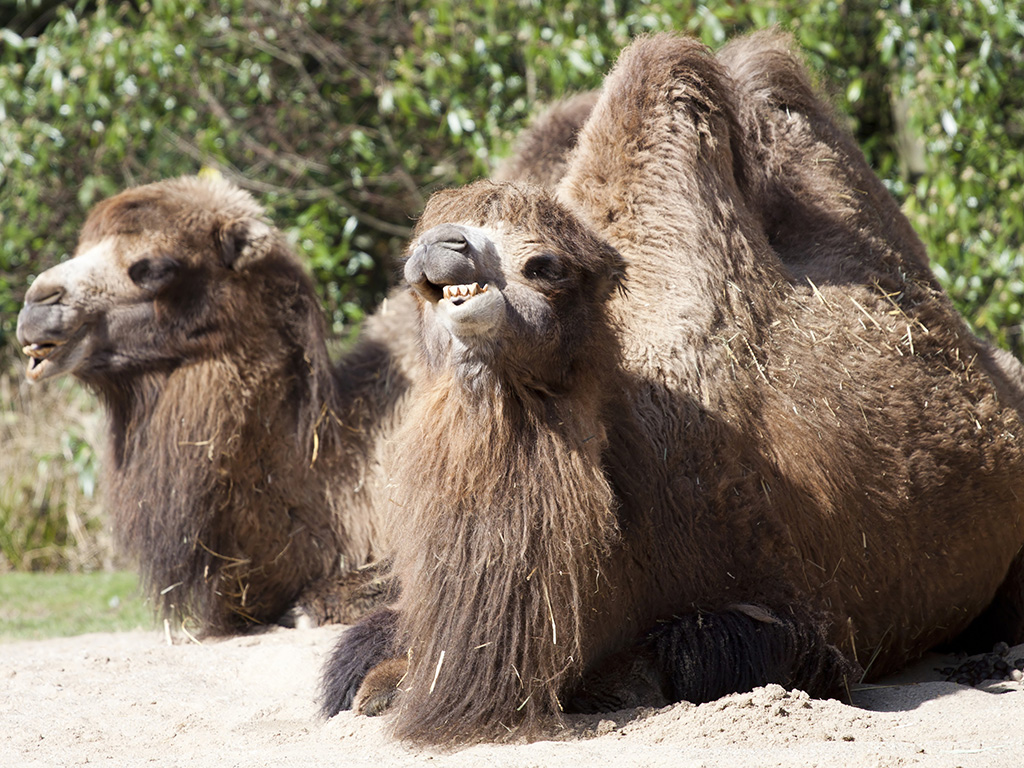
(132, 699)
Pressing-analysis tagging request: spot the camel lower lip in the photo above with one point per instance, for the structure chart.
(470, 312)
(37, 368)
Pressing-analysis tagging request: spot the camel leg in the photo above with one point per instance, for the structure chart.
(343, 599)
(361, 649)
(380, 687)
(703, 656)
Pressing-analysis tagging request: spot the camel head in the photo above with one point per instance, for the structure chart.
(509, 281)
(159, 278)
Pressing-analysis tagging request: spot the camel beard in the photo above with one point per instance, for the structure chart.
(505, 516)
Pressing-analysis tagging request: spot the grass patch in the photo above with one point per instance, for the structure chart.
(38, 605)
(51, 515)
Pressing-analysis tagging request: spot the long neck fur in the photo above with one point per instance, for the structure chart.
(510, 514)
(237, 479)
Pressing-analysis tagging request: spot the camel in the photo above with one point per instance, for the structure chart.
(244, 467)
(241, 468)
(793, 465)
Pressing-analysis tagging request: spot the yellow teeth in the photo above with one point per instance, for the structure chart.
(40, 351)
(452, 292)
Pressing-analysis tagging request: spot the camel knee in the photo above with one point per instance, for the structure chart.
(380, 688)
(704, 656)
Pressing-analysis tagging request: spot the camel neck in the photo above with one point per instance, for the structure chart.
(507, 515)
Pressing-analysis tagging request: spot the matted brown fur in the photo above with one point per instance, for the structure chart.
(827, 450)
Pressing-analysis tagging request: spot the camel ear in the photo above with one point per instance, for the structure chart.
(243, 241)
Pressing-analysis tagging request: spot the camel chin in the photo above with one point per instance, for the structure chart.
(475, 313)
(49, 356)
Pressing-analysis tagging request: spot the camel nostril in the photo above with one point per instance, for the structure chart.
(44, 294)
(459, 245)
(450, 237)
(416, 275)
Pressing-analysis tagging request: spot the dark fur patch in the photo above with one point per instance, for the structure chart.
(706, 655)
(360, 648)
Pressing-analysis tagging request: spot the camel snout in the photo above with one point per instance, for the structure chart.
(43, 319)
(443, 256)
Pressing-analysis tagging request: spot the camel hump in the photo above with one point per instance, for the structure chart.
(668, 99)
(542, 151)
(766, 65)
(662, 154)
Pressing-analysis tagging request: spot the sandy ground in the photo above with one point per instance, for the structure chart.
(132, 699)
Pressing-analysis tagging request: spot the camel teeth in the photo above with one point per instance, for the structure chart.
(462, 291)
(40, 351)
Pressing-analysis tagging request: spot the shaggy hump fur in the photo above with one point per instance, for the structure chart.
(541, 152)
(810, 470)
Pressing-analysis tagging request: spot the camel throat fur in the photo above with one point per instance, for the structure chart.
(498, 593)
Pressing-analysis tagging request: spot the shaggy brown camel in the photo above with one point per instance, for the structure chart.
(811, 475)
(242, 470)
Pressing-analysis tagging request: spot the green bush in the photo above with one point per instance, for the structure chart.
(343, 117)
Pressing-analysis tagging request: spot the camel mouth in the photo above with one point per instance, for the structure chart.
(51, 357)
(460, 294)
(471, 310)
(40, 364)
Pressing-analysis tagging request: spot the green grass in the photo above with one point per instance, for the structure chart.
(38, 605)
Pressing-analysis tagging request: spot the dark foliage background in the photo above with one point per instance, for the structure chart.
(342, 117)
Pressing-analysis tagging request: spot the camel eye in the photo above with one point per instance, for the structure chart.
(154, 274)
(546, 266)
